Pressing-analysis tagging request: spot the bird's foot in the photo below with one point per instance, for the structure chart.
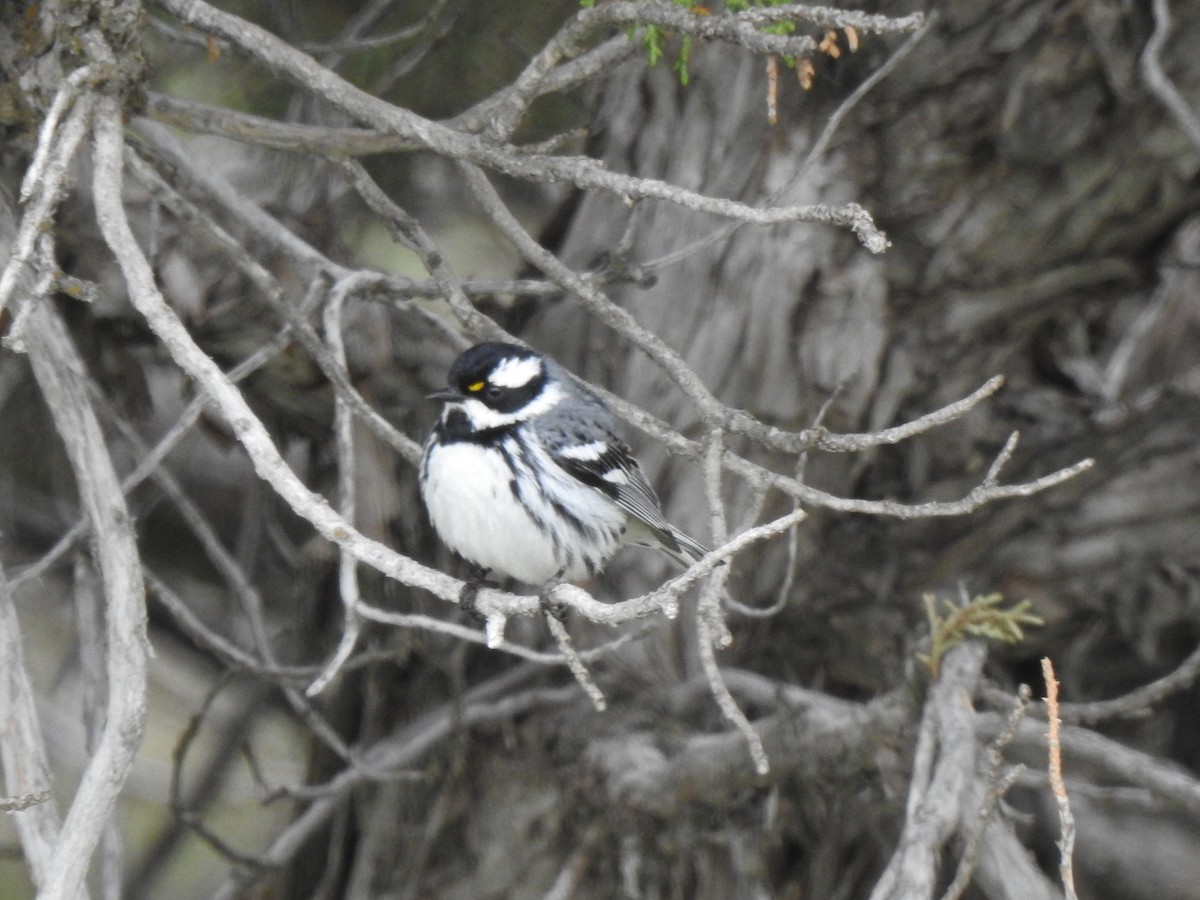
(551, 606)
(469, 594)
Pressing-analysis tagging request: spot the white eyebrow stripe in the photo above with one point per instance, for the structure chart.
(585, 452)
(516, 372)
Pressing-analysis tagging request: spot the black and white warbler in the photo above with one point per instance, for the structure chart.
(524, 475)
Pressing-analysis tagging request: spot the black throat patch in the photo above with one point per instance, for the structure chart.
(454, 427)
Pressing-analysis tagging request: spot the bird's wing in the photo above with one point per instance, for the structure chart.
(608, 466)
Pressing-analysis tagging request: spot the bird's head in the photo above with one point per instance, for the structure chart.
(494, 385)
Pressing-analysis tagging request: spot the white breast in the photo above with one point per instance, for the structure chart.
(468, 492)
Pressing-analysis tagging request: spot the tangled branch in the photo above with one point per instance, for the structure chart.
(479, 142)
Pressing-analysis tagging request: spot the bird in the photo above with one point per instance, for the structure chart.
(525, 477)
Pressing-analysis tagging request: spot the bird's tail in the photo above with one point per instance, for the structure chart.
(689, 550)
(682, 548)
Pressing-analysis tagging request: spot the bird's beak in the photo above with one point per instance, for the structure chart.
(445, 394)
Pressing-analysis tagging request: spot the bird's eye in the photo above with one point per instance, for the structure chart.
(492, 393)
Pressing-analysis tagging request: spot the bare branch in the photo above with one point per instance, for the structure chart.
(56, 149)
(486, 703)
(725, 701)
(58, 370)
(24, 802)
(582, 172)
(89, 627)
(943, 772)
(151, 460)
(765, 478)
(743, 28)
(822, 439)
(23, 748)
(569, 41)
(50, 155)
(217, 644)
(340, 141)
(409, 230)
(996, 785)
(810, 738)
(327, 140)
(471, 635)
(563, 77)
(334, 370)
(1113, 759)
(1136, 701)
(664, 599)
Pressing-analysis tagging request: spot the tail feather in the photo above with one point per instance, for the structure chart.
(689, 547)
(682, 548)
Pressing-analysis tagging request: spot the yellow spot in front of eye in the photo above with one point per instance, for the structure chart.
(476, 387)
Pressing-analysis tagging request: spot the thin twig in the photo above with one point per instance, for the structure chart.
(178, 806)
(217, 644)
(744, 28)
(583, 172)
(151, 461)
(24, 802)
(1156, 79)
(488, 702)
(725, 700)
(47, 193)
(565, 76)
(711, 630)
(1113, 760)
(761, 477)
(1137, 701)
(472, 635)
(1066, 821)
(665, 599)
(793, 536)
(332, 368)
(575, 663)
(408, 230)
(719, 235)
(343, 426)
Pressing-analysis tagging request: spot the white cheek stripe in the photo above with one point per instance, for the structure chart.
(516, 372)
(483, 418)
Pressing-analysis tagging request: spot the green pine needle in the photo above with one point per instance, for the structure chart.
(654, 38)
(951, 623)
